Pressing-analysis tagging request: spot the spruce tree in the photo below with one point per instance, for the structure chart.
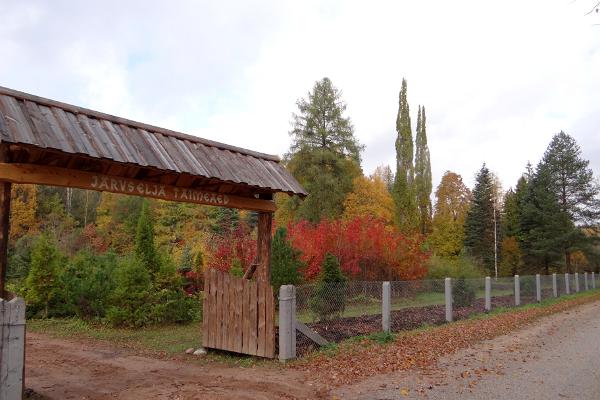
(324, 155)
(329, 297)
(479, 223)
(572, 183)
(42, 283)
(423, 185)
(285, 261)
(145, 249)
(404, 188)
(545, 230)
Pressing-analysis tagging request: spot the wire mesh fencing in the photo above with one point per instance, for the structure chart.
(341, 310)
(528, 289)
(547, 287)
(416, 303)
(503, 292)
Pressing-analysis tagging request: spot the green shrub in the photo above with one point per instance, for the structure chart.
(88, 281)
(236, 268)
(42, 286)
(285, 261)
(329, 297)
(170, 304)
(131, 299)
(453, 267)
(463, 293)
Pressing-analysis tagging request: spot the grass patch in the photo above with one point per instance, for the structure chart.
(169, 339)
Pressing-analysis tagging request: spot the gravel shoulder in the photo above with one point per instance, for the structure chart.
(558, 357)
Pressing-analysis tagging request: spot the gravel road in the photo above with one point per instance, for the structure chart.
(556, 358)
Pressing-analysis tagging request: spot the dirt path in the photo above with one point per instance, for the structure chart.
(60, 369)
(558, 357)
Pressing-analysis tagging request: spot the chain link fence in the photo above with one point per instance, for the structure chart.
(338, 311)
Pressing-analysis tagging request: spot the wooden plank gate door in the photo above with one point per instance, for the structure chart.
(238, 315)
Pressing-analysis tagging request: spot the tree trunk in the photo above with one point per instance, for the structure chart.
(568, 261)
(5, 191)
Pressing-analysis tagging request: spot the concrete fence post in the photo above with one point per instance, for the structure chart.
(567, 284)
(576, 282)
(386, 303)
(517, 291)
(585, 281)
(287, 322)
(448, 298)
(488, 293)
(12, 348)
(538, 288)
(554, 287)
(593, 280)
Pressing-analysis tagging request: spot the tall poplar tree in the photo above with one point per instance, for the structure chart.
(324, 155)
(423, 185)
(404, 188)
(479, 224)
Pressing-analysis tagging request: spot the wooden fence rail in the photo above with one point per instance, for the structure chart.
(12, 348)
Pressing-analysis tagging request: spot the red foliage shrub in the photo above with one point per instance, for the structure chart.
(366, 247)
(237, 243)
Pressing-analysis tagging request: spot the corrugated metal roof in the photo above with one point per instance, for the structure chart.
(45, 123)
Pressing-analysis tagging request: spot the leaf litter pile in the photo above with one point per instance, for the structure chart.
(356, 359)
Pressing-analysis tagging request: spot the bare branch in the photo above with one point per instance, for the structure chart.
(595, 8)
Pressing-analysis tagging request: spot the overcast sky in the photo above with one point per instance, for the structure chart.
(498, 79)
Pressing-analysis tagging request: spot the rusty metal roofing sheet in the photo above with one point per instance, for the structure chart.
(46, 123)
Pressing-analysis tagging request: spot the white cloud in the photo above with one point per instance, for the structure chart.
(498, 79)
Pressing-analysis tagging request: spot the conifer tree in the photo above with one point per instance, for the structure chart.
(423, 185)
(285, 261)
(404, 190)
(324, 155)
(572, 183)
(329, 297)
(42, 283)
(145, 249)
(479, 224)
(545, 229)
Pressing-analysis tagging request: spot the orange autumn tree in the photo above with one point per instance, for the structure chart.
(370, 197)
(366, 247)
(22, 211)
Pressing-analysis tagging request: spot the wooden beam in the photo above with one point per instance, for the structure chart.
(5, 189)
(54, 176)
(265, 222)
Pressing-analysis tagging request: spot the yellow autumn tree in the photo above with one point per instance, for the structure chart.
(451, 206)
(369, 197)
(22, 211)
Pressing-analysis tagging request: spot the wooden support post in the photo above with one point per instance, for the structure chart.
(5, 189)
(265, 221)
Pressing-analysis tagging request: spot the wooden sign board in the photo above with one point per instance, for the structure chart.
(54, 176)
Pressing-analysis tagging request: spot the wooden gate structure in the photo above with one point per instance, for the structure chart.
(47, 142)
(238, 315)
